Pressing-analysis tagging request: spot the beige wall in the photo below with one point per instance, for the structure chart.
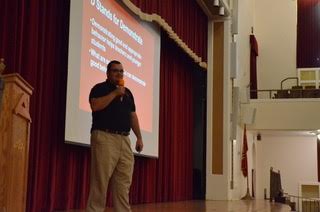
(274, 24)
(246, 21)
(286, 114)
(275, 30)
(294, 156)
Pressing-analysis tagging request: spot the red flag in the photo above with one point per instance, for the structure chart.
(244, 159)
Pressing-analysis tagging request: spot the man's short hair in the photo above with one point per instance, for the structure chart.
(111, 63)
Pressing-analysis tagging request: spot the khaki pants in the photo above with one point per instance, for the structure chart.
(111, 160)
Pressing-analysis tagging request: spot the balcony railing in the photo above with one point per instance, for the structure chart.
(297, 92)
(303, 204)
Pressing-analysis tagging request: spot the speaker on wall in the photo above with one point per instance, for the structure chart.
(235, 15)
(248, 114)
(234, 60)
(245, 95)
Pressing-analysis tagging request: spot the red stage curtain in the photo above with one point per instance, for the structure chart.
(186, 19)
(34, 42)
(170, 177)
(308, 33)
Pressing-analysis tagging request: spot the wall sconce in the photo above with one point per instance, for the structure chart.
(221, 11)
(216, 3)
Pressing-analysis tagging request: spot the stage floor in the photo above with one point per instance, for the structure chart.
(199, 206)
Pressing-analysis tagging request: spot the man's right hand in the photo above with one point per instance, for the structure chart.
(120, 91)
(102, 102)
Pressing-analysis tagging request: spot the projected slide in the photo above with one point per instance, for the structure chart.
(101, 31)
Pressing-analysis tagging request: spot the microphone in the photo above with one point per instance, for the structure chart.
(121, 83)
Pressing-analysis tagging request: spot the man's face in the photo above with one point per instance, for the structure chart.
(115, 73)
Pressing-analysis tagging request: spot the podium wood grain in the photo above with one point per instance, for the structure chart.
(15, 124)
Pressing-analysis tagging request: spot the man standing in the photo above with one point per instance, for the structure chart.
(113, 115)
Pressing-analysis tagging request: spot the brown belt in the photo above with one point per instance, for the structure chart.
(117, 132)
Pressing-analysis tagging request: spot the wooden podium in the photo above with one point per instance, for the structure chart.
(14, 143)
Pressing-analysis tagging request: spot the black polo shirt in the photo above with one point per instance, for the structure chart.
(117, 115)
